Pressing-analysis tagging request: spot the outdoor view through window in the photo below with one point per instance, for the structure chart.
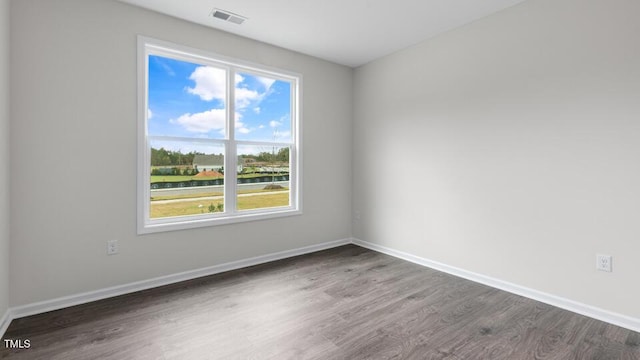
(203, 162)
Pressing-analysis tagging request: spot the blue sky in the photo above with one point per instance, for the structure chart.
(188, 100)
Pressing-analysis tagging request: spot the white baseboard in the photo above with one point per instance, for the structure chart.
(67, 301)
(563, 303)
(5, 320)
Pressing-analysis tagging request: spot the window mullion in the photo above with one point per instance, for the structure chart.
(230, 173)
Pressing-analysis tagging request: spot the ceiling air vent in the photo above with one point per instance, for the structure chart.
(228, 16)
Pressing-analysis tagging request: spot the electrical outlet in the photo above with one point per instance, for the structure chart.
(356, 215)
(603, 262)
(112, 247)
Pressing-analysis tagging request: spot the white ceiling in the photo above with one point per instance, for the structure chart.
(348, 32)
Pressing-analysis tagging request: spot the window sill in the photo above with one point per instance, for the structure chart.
(194, 222)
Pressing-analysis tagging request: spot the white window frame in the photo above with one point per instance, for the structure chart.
(147, 46)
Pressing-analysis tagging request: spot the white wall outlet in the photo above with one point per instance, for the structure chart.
(112, 247)
(356, 215)
(603, 262)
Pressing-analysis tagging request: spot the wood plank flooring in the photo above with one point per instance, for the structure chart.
(342, 303)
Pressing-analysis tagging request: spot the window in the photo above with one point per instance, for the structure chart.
(218, 138)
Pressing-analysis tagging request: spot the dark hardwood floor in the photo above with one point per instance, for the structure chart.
(343, 303)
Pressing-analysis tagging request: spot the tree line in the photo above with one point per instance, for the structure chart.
(163, 157)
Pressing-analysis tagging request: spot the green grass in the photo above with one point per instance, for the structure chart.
(186, 196)
(263, 201)
(181, 208)
(210, 194)
(194, 207)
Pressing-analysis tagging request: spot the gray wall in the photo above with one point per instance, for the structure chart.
(4, 157)
(510, 148)
(74, 113)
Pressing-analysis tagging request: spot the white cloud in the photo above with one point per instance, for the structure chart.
(261, 127)
(266, 82)
(238, 119)
(274, 123)
(149, 114)
(283, 135)
(238, 79)
(241, 128)
(239, 125)
(210, 83)
(244, 97)
(203, 122)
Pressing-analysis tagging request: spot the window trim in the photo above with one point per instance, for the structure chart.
(145, 224)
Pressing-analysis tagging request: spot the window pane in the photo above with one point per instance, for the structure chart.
(186, 99)
(263, 108)
(263, 177)
(187, 178)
